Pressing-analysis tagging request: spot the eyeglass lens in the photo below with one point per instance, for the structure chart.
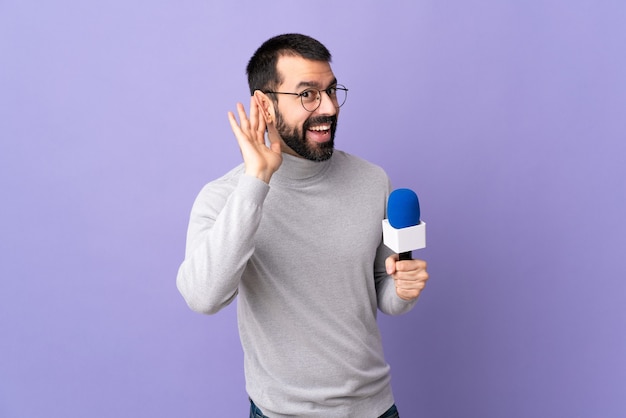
(311, 98)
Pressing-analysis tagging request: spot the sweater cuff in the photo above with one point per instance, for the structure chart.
(253, 188)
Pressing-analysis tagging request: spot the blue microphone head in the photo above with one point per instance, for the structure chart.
(403, 208)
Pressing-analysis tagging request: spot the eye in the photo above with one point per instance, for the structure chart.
(332, 91)
(307, 94)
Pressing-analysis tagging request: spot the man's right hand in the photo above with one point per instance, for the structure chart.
(260, 160)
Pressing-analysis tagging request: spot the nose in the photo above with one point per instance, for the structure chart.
(327, 105)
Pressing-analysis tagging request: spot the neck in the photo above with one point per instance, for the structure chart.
(296, 168)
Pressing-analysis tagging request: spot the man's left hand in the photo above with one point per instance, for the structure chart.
(410, 276)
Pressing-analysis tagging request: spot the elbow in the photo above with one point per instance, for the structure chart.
(396, 306)
(202, 307)
(202, 304)
(199, 299)
(397, 309)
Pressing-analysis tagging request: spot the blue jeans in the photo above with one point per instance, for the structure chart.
(255, 412)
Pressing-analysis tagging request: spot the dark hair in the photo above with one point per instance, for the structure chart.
(261, 69)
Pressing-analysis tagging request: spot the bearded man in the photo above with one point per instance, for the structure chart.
(295, 233)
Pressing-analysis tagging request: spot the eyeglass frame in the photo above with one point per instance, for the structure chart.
(319, 93)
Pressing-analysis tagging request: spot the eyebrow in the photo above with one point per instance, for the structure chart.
(314, 84)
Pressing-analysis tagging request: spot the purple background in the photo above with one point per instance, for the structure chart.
(507, 117)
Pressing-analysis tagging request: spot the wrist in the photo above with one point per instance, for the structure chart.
(259, 174)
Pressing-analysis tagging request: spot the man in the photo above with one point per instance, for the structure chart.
(296, 232)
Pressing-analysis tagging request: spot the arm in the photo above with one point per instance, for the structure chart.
(220, 241)
(388, 300)
(220, 238)
(398, 283)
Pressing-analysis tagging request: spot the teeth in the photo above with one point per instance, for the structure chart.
(320, 128)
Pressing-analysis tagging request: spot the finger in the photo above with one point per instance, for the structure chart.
(411, 277)
(411, 265)
(240, 136)
(261, 125)
(408, 294)
(233, 122)
(243, 118)
(418, 283)
(410, 285)
(275, 146)
(254, 115)
(390, 263)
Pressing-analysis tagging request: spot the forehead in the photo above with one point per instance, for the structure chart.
(298, 72)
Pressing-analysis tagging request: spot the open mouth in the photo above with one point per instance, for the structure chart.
(324, 128)
(320, 132)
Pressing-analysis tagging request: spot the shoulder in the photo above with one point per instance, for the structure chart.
(356, 167)
(224, 184)
(212, 197)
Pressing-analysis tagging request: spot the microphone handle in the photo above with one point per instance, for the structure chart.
(408, 255)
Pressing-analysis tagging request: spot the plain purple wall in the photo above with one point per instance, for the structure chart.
(507, 117)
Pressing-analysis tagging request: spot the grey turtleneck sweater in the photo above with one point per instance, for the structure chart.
(305, 256)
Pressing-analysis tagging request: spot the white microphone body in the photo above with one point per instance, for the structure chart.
(402, 240)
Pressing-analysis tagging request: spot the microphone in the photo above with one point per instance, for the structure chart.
(403, 231)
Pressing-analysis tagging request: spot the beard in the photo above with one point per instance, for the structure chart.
(296, 138)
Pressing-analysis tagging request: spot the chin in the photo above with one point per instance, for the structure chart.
(320, 152)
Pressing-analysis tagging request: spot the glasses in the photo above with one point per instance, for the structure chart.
(312, 98)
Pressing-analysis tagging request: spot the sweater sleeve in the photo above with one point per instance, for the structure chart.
(388, 300)
(220, 241)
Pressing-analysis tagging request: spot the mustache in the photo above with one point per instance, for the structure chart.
(316, 120)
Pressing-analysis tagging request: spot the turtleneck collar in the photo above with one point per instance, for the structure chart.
(298, 169)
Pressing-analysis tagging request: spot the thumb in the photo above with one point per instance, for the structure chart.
(390, 263)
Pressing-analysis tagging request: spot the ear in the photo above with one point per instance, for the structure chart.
(266, 106)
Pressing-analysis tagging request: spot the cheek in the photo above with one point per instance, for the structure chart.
(295, 117)
(299, 122)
